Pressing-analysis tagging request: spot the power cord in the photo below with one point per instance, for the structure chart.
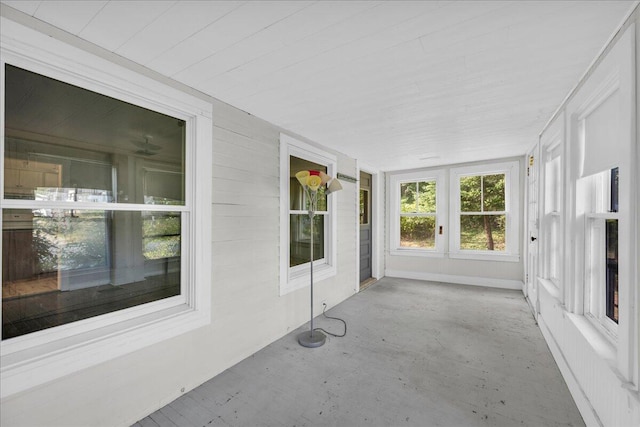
(324, 307)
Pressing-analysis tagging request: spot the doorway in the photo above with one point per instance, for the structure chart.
(532, 230)
(366, 227)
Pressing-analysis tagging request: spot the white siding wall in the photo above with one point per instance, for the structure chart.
(247, 311)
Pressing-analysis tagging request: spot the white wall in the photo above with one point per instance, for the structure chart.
(247, 311)
(502, 274)
(601, 371)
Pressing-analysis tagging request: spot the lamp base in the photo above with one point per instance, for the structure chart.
(311, 339)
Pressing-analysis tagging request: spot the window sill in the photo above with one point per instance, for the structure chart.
(301, 278)
(485, 257)
(417, 252)
(30, 367)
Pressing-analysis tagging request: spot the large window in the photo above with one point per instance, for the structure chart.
(87, 230)
(102, 212)
(418, 212)
(484, 217)
(295, 241)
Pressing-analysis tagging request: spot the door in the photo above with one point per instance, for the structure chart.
(532, 230)
(365, 227)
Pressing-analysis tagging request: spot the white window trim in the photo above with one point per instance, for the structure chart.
(294, 278)
(43, 356)
(597, 202)
(552, 151)
(441, 213)
(512, 199)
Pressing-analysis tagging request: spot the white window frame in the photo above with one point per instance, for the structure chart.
(597, 188)
(297, 277)
(512, 211)
(552, 218)
(43, 356)
(438, 176)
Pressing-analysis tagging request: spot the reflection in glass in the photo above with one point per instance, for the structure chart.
(611, 302)
(64, 265)
(364, 207)
(300, 239)
(482, 232)
(66, 143)
(418, 232)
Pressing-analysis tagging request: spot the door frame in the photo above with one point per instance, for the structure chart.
(376, 221)
(530, 284)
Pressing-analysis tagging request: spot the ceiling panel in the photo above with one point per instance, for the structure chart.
(396, 84)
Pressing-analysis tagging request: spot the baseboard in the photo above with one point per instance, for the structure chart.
(461, 280)
(587, 411)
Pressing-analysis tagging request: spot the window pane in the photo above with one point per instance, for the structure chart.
(482, 232)
(427, 197)
(611, 301)
(60, 266)
(297, 197)
(364, 207)
(300, 239)
(418, 232)
(408, 194)
(471, 194)
(66, 143)
(160, 235)
(493, 193)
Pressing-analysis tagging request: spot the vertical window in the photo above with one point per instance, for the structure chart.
(485, 211)
(418, 208)
(601, 255)
(418, 214)
(295, 226)
(299, 224)
(551, 219)
(482, 212)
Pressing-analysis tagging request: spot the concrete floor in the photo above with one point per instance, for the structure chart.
(416, 354)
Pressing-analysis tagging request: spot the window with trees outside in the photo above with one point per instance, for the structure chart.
(484, 215)
(418, 211)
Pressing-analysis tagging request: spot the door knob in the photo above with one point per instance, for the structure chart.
(533, 239)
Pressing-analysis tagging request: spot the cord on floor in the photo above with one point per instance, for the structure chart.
(324, 307)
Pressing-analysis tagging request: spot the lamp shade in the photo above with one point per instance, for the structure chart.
(302, 177)
(334, 186)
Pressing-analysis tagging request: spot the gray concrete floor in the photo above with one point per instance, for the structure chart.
(416, 354)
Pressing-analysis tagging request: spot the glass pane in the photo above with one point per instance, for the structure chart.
(160, 235)
(471, 194)
(427, 197)
(300, 239)
(482, 232)
(615, 198)
(66, 143)
(364, 207)
(297, 197)
(493, 192)
(408, 195)
(418, 232)
(60, 266)
(611, 301)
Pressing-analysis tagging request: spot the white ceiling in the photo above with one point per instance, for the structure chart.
(395, 84)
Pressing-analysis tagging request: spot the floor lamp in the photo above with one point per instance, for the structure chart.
(311, 181)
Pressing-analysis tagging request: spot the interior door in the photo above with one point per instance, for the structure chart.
(532, 230)
(365, 227)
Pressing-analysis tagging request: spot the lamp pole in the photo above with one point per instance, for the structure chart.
(311, 338)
